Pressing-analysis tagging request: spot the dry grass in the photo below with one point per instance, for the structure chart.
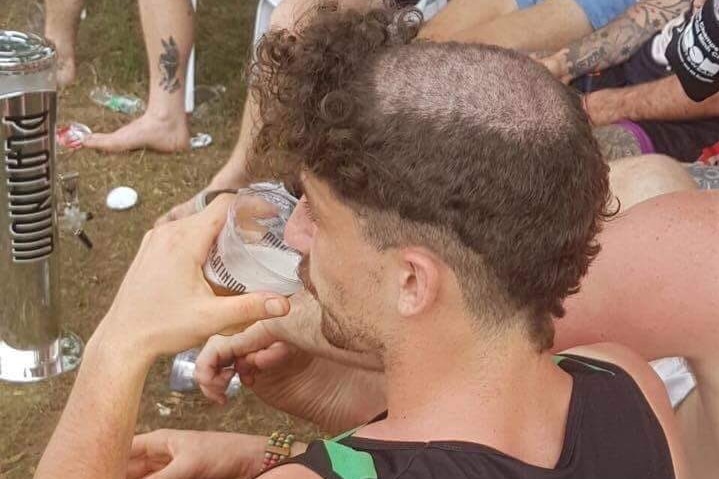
(111, 52)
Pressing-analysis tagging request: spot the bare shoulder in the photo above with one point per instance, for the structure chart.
(632, 363)
(290, 471)
(649, 383)
(699, 207)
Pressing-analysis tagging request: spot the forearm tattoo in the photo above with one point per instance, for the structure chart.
(616, 42)
(169, 65)
(616, 142)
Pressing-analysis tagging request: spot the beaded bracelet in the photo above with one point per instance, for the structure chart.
(278, 449)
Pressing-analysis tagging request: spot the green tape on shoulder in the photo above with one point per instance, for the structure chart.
(347, 433)
(348, 463)
(559, 358)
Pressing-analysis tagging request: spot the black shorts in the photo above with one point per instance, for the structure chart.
(683, 140)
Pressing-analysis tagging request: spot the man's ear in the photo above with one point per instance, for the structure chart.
(419, 278)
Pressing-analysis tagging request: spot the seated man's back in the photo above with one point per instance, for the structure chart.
(614, 428)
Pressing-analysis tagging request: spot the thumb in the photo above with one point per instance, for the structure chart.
(233, 314)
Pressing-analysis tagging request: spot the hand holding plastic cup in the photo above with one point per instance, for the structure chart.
(250, 253)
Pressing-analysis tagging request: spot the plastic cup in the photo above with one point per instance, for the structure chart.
(250, 253)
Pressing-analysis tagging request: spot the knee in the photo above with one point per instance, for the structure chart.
(289, 12)
(639, 178)
(659, 171)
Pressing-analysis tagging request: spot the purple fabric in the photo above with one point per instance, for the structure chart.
(645, 143)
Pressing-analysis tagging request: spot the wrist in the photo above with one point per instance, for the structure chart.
(271, 446)
(601, 108)
(626, 107)
(110, 345)
(256, 449)
(227, 178)
(104, 359)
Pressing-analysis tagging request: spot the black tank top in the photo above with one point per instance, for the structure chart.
(611, 433)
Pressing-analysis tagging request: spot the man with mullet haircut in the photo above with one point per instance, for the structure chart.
(441, 230)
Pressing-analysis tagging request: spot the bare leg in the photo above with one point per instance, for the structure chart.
(549, 25)
(167, 27)
(653, 288)
(616, 142)
(454, 16)
(460, 15)
(62, 18)
(234, 174)
(634, 180)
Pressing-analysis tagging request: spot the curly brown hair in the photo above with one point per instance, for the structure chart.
(473, 151)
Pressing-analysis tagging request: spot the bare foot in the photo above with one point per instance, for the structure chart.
(148, 131)
(65, 72)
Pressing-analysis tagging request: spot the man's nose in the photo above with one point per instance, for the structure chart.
(299, 229)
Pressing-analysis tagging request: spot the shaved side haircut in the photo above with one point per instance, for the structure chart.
(472, 151)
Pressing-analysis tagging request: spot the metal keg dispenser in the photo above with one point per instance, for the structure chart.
(32, 345)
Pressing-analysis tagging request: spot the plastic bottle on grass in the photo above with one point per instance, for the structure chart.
(127, 104)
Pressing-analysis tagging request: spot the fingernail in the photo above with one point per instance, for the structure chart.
(274, 307)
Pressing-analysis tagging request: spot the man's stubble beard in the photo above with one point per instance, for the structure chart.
(330, 327)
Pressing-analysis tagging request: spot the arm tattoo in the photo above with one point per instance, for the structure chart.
(616, 42)
(616, 142)
(169, 64)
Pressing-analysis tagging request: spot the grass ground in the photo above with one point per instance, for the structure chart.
(110, 52)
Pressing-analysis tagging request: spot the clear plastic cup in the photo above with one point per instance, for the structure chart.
(71, 136)
(250, 253)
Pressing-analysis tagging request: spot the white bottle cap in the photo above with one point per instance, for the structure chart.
(121, 198)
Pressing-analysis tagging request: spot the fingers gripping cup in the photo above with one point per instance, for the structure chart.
(250, 254)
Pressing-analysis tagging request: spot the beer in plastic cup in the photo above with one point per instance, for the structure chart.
(250, 253)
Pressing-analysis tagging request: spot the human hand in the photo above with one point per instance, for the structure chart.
(230, 178)
(335, 396)
(194, 205)
(290, 378)
(188, 208)
(556, 63)
(175, 454)
(165, 305)
(301, 328)
(600, 108)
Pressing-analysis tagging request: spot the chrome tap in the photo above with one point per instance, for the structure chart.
(73, 219)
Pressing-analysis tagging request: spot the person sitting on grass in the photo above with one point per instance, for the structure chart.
(439, 232)
(168, 33)
(631, 94)
(285, 360)
(527, 25)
